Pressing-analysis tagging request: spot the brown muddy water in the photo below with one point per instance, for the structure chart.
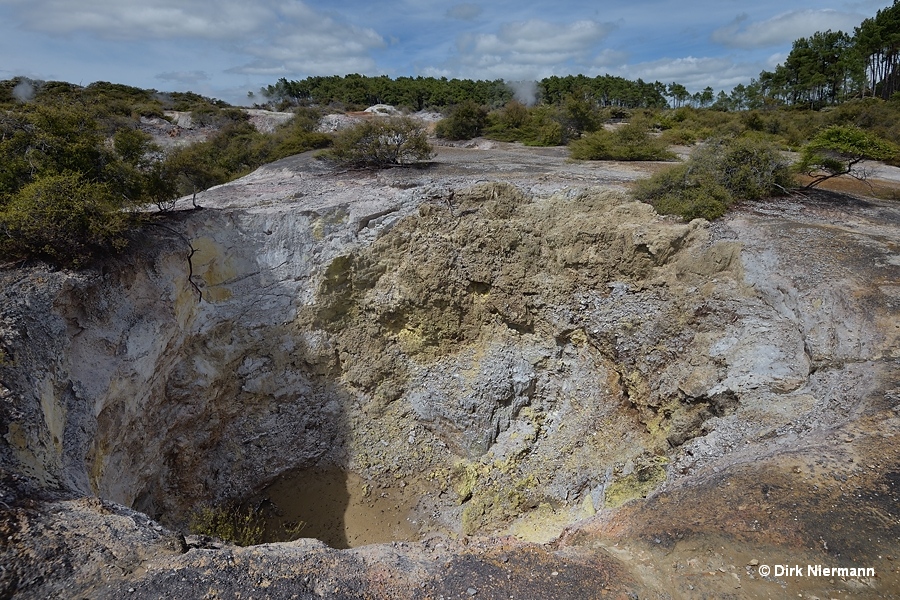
(338, 508)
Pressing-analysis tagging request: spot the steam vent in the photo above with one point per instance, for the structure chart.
(497, 377)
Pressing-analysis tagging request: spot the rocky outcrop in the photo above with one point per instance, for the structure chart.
(498, 357)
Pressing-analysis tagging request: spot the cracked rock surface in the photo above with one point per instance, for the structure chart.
(556, 392)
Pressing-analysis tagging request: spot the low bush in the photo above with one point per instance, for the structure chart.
(718, 174)
(507, 121)
(581, 116)
(678, 191)
(678, 137)
(296, 142)
(380, 143)
(216, 117)
(298, 135)
(628, 142)
(64, 218)
(686, 125)
(465, 121)
(74, 161)
(243, 525)
(235, 150)
(230, 522)
(535, 126)
(750, 168)
(544, 127)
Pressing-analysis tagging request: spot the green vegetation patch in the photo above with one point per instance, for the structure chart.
(627, 142)
(838, 150)
(63, 218)
(379, 143)
(717, 175)
(541, 125)
(465, 121)
(242, 526)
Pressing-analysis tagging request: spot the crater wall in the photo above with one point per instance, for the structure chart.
(514, 358)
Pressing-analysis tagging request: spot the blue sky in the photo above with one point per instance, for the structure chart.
(225, 48)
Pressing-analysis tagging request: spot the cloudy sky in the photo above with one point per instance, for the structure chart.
(225, 48)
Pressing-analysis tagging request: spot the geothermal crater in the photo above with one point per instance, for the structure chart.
(501, 364)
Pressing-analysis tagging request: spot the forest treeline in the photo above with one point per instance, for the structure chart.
(821, 70)
(420, 93)
(78, 166)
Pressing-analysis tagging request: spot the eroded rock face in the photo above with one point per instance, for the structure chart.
(521, 355)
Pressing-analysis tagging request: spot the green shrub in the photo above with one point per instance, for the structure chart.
(241, 525)
(64, 218)
(871, 114)
(230, 522)
(717, 175)
(753, 120)
(544, 128)
(305, 119)
(381, 142)
(190, 169)
(599, 145)
(513, 115)
(298, 135)
(133, 145)
(235, 150)
(465, 121)
(686, 125)
(209, 115)
(189, 101)
(749, 168)
(535, 126)
(63, 138)
(628, 142)
(686, 193)
(147, 109)
(297, 142)
(838, 150)
(505, 124)
(581, 116)
(677, 136)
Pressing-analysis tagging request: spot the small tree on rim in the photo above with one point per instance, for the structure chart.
(838, 150)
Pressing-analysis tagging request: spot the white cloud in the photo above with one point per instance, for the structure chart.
(280, 37)
(783, 29)
(694, 73)
(187, 77)
(328, 48)
(464, 12)
(529, 49)
(609, 58)
(774, 60)
(537, 37)
(136, 19)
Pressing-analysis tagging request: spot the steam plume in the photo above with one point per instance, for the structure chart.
(23, 92)
(525, 91)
